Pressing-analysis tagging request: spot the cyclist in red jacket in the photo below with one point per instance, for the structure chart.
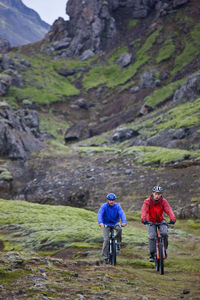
(152, 210)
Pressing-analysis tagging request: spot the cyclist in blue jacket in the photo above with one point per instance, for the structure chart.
(110, 213)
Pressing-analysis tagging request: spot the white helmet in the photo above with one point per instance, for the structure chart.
(157, 189)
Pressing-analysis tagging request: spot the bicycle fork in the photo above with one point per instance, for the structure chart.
(159, 240)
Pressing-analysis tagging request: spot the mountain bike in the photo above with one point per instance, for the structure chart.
(112, 246)
(160, 254)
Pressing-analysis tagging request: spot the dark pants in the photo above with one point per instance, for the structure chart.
(152, 237)
(106, 231)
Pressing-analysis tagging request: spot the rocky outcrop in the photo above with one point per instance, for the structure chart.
(77, 132)
(51, 190)
(10, 72)
(93, 25)
(4, 46)
(189, 211)
(19, 132)
(190, 90)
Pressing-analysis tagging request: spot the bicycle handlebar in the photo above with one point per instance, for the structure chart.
(158, 224)
(112, 226)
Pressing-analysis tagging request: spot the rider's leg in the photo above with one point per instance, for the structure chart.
(118, 229)
(164, 233)
(118, 234)
(105, 248)
(152, 240)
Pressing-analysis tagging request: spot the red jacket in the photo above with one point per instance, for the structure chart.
(153, 211)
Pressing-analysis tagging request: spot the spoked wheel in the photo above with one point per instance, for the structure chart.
(114, 253)
(161, 260)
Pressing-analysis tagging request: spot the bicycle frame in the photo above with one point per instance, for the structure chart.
(159, 239)
(160, 247)
(112, 246)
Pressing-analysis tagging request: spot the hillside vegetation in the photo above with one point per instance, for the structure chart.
(68, 258)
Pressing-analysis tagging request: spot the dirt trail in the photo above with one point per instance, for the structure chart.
(80, 274)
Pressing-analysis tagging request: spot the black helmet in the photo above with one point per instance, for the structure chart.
(157, 189)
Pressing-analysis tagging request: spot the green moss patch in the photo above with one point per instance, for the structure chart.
(184, 115)
(166, 51)
(190, 51)
(151, 154)
(8, 276)
(43, 84)
(162, 94)
(132, 23)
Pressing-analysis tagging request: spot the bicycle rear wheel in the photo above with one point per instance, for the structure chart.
(114, 253)
(161, 260)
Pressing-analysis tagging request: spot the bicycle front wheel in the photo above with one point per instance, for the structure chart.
(114, 253)
(161, 260)
(157, 264)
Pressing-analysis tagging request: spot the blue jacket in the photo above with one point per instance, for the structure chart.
(110, 215)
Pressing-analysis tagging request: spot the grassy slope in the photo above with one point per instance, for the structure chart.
(25, 226)
(161, 49)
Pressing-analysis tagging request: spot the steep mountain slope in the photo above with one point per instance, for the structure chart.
(19, 24)
(130, 107)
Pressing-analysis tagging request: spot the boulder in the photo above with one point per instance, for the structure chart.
(161, 9)
(5, 83)
(66, 72)
(147, 79)
(124, 134)
(87, 54)
(81, 103)
(77, 132)
(124, 60)
(145, 109)
(190, 90)
(177, 3)
(134, 89)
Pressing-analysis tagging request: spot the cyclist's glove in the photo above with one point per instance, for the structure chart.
(171, 222)
(145, 222)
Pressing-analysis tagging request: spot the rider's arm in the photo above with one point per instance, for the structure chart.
(145, 211)
(100, 214)
(168, 210)
(122, 216)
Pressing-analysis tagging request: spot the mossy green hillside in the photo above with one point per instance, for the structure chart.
(161, 95)
(45, 227)
(184, 115)
(151, 154)
(111, 74)
(190, 49)
(43, 84)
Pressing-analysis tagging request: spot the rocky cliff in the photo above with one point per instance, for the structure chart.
(98, 25)
(118, 87)
(19, 24)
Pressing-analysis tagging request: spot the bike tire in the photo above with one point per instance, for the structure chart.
(157, 264)
(110, 252)
(161, 260)
(114, 253)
